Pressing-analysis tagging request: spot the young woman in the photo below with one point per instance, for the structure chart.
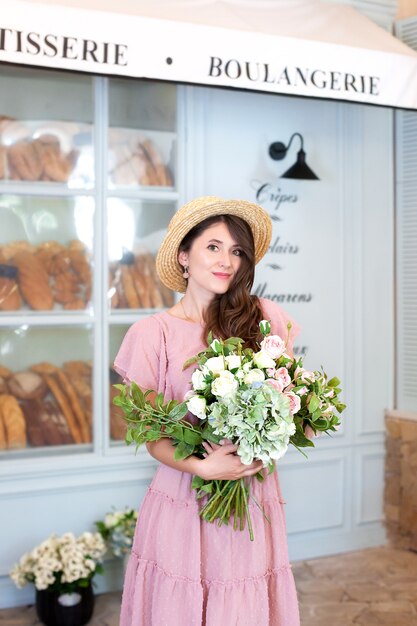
(184, 571)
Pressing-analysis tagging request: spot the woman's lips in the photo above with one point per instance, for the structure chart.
(222, 276)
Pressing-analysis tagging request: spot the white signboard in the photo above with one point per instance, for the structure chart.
(131, 45)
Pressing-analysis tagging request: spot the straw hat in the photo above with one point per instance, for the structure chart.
(194, 212)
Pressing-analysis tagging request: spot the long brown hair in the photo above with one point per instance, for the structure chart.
(235, 313)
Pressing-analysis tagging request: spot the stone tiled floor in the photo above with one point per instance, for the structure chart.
(374, 587)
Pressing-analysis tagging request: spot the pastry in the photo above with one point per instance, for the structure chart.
(141, 282)
(14, 421)
(55, 426)
(157, 170)
(3, 440)
(5, 372)
(44, 368)
(34, 427)
(65, 406)
(56, 166)
(10, 299)
(24, 161)
(76, 407)
(33, 281)
(77, 369)
(74, 305)
(151, 282)
(129, 288)
(11, 249)
(27, 385)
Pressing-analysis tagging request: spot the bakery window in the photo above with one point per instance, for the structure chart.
(136, 229)
(142, 134)
(46, 127)
(88, 185)
(46, 398)
(46, 246)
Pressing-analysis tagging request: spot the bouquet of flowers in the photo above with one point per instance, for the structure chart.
(260, 400)
(118, 529)
(61, 564)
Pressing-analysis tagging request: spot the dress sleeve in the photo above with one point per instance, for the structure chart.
(279, 320)
(142, 356)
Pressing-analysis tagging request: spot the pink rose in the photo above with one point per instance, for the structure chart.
(302, 391)
(271, 371)
(276, 384)
(295, 402)
(273, 345)
(282, 375)
(309, 432)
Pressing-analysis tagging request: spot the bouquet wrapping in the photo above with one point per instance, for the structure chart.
(262, 400)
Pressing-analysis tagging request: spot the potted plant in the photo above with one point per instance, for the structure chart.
(62, 569)
(117, 530)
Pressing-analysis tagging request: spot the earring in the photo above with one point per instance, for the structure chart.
(185, 273)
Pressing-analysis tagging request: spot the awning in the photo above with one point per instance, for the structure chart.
(294, 47)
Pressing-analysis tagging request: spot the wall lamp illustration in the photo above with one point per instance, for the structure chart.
(300, 169)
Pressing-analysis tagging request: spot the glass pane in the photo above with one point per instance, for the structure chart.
(136, 229)
(142, 133)
(46, 122)
(45, 253)
(117, 424)
(45, 385)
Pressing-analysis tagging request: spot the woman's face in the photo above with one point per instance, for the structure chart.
(213, 259)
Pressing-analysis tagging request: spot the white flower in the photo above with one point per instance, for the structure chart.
(197, 380)
(263, 359)
(240, 374)
(233, 361)
(225, 384)
(215, 364)
(254, 376)
(189, 394)
(197, 406)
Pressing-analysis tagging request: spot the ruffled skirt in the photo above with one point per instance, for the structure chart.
(184, 571)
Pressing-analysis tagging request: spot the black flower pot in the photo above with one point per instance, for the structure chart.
(57, 609)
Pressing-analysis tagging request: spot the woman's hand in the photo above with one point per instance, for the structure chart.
(221, 463)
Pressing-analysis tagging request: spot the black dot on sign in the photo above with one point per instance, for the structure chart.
(169, 60)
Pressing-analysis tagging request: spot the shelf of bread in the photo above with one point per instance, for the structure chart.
(134, 283)
(46, 405)
(46, 151)
(141, 158)
(45, 277)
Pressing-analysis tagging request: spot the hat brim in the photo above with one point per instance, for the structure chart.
(194, 212)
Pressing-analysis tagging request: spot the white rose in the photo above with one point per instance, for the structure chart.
(262, 359)
(215, 364)
(254, 376)
(233, 361)
(197, 406)
(240, 374)
(223, 385)
(197, 380)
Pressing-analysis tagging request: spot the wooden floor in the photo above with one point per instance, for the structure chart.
(375, 587)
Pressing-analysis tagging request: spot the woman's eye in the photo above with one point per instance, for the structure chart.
(238, 252)
(212, 245)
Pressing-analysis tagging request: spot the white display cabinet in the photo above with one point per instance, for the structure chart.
(88, 184)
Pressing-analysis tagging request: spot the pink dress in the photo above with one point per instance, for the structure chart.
(184, 571)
